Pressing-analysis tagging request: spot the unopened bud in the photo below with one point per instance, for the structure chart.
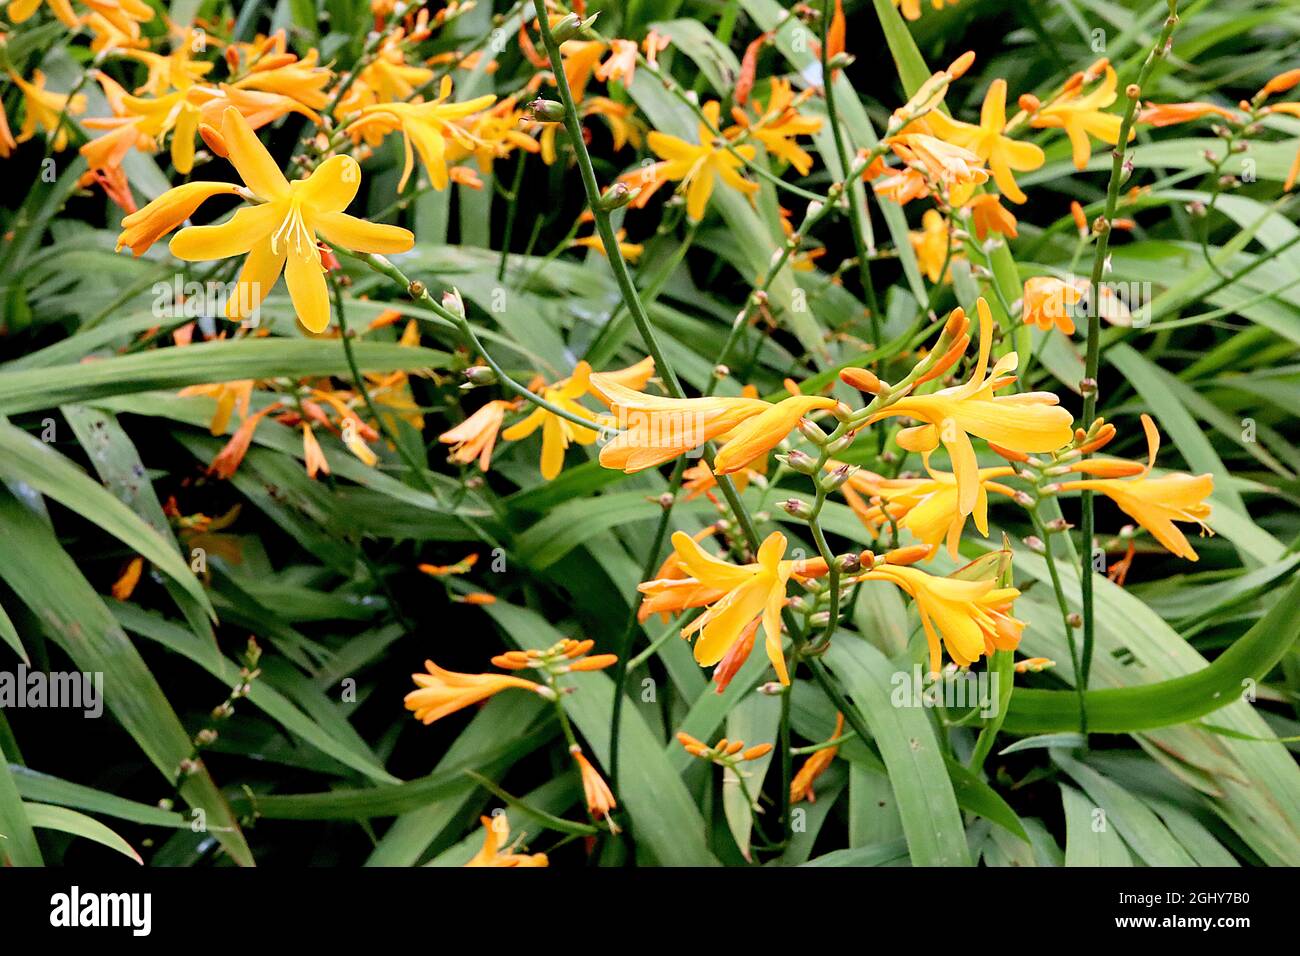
(863, 380)
(617, 196)
(567, 28)
(848, 563)
(812, 431)
(800, 461)
(1035, 544)
(545, 111)
(453, 303)
(1074, 619)
(833, 480)
(797, 508)
(416, 289)
(1030, 103)
(478, 375)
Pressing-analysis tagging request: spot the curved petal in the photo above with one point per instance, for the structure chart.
(249, 157)
(360, 235)
(332, 187)
(306, 281)
(245, 229)
(261, 270)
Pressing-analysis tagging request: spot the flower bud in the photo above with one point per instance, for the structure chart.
(800, 461)
(545, 111)
(453, 303)
(812, 431)
(797, 508)
(567, 28)
(617, 196)
(478, 375)
(863, 380)
(833, 479)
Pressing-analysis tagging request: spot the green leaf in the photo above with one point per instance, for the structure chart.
(50, 817)
(926, 803)
(45, 578)
(1174, 701)
(26, 459)
(219, 361)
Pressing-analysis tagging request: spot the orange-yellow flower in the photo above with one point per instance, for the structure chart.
(1081, 114)
(497, 850)
(600, 799)
(1167, 114)
(736, 595)
(931, 245)
(476, 436)
(1154, 503)
(280, 233)
(228, 396)
(45, 108)
(696, 165)
(778, 125)
(989, 215)
(801, 787)
(557, 432)
(426, 125)
(927, 507)
(1047, 302)
(987, 141)
(942, 162)
(1028, 421)
(969, 618)
(442, 692)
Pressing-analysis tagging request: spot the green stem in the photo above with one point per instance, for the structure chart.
(1093, 355)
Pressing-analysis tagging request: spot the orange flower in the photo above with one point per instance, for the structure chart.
(1155, 503)
(989, 215)
(1047, 301)
(600, 799)
(232, 454)
(476, 436)
(496, 849)
(124, 586)
(442, 692)
(1167, 114)
(816, 765)
(313, 456)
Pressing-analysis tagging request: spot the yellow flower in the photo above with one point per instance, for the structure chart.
(737, 595)
(20, 11)
(631, 250)
(428, 126)
(558, 432)
(779, 123)
(758, 435)
(931, 244)
(1081, 114)
(228, 396)
(280, 233)
(695, 165)
(286, 75)
(656, 429)
(1046, 303)
(1001, 153)
(496, 849)
(927, 507)
(387, 79)
(46, 108)
(1028, 422)
(476, 436)
(969, 618)
(442, 692)
(911, 9)
(1154, 503)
